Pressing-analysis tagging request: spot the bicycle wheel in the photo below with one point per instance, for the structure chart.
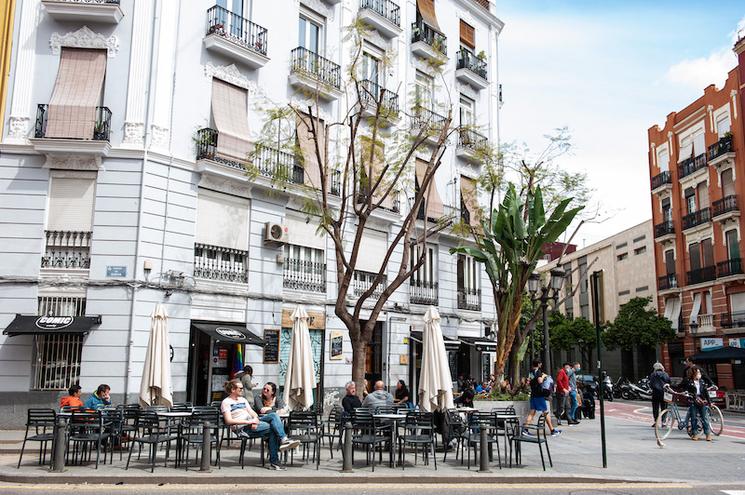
(664, 424)
(716, 420)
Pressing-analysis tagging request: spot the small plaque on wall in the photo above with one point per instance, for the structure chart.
(337, 344)
(403, 359)
(271, 345)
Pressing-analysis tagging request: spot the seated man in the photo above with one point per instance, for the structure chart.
(99, 399)
(350, 402)
(238, 414)
(378, 397)
(73, 397)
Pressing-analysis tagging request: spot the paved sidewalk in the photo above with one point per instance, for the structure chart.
(632, 456)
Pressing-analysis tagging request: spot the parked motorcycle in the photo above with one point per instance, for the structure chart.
(608, 389)
(634, 391)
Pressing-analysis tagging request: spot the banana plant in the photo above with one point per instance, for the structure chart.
(509, 246)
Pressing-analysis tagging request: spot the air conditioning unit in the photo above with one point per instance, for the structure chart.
(275, 233)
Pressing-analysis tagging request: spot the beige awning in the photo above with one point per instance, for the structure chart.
(470, 198)
(77, 93)
(426, 9)
(312, 170)
(378, 164)
(230, 114)
(467, 34)
(433, 202)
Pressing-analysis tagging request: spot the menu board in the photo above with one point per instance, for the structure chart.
(271, 345)
(336, 341)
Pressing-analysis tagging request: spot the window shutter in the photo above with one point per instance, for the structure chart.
(434, 206)
(737, 302)
(467, 34)
(222, 220)
(300, 233)
(699, 143)
(426, 9)
(307, 145)
(470, 199)
(230, 113)
(372, 251)
(71, 204)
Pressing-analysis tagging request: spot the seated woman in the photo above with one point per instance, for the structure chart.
(267, 401)
(401, 395)
(466, 397)
(73, 397)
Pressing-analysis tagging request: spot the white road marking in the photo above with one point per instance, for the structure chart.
(734, 492)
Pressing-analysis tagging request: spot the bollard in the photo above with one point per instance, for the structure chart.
(484, 455)
(58, 452)
(347, 466)
(206, 448)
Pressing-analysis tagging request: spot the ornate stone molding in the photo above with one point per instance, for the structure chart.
(160, 137)
(84, 38)
(73, 162)
(226, 185)
(231, 74)
(318, 6)
(134, 134)
(18, 127)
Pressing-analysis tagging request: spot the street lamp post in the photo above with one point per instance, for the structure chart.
(544, 294)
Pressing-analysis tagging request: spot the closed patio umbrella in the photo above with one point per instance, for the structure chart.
(435, 382)
(155, 386)
(300, 379)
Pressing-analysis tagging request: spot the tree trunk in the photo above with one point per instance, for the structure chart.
(359, 353)
(514, 366)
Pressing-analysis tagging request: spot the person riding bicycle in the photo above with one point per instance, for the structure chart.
(698, 386)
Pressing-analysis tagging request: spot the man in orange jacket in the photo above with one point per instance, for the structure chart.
(73, 399)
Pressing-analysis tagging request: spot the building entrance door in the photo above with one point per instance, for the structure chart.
(374, 357)
(197, 387)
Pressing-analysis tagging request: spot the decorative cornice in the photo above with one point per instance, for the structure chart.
(84, 38)
(231, 74)
(225, 185)
(319, 7)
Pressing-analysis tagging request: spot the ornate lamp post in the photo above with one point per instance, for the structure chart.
(543, 294)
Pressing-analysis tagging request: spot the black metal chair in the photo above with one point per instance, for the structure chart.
(42, 422)
(457, 430)
(304, 427)
(539, 438)
(332, 428)
(418, 431)
(182, 407)
(191, 431)
(371, 434)
(86, 429)
(477, 421)
(246, 441)
(149, 431)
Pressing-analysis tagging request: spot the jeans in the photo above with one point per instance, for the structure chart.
(275, 422)
(658, 403)
(701, 412)
(263, 430)
(561, 405)
(574, 405)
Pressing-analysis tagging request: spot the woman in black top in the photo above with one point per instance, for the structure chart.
(401, 395)
(466, 397)
(350, 401)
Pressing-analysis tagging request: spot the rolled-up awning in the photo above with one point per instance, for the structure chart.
(228, 332)
(46, 325)
(721, 355)
(426, 9)
(480, 343)
(450, 343)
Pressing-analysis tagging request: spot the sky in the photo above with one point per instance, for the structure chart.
(609, 70)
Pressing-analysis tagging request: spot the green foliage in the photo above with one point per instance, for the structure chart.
(566, 334)
(638, 325)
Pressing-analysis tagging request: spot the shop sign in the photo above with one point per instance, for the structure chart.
(337, 344)
(737, 343)
(53, 322)
(711, 343)
(116, 271)
(316, 319)
(231, 333)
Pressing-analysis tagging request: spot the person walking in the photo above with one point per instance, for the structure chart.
(562, 393)
(696, 385)
(573, 404)
(658, 379)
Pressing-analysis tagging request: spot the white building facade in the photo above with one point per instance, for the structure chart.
(107, 213)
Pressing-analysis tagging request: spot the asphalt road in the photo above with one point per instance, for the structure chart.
(383, 489)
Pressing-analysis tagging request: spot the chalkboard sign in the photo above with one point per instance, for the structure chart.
(271, 345)
(336, 341)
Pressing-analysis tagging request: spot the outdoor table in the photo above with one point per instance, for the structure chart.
(395, 418)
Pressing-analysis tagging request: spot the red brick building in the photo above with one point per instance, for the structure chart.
(697, 171)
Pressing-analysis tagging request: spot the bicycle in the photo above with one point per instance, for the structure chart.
(667, 418)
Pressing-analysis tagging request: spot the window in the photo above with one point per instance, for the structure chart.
(56, 359)
(221, 248)
(694, 254)
(423, 286)
(70, 220)
(663, 159)
(304, 268)
(728, 183)
(310, 32)
(622, 245)
(624, 293)
(699, 143)
(234, 21)
(707, 253)
(723, 125)
(230, 117)
(667, 212)
(702, 191)
(642, 288)
(468, 273)
(370, 69)
(669, 262)
(424, 91)
(622, 256)
(640, 238)
(467, 36)
(640, 250)
(466, 111)
(690, 195)
(733, 246)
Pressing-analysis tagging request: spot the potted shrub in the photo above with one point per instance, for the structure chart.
(503, 396)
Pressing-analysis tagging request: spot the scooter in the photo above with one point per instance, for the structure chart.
(641, 389)
(608, 389)
(622, 389)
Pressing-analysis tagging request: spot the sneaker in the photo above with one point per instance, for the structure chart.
(276, 467)
(555, 433)
(526, 432)
(288, 444)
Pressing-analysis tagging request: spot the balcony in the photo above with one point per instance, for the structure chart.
(726, 208)
(734, 320)
(704, 325)
(471, 145)
(93, 11)
(667, 282)
(335, 188)
(66, 249)
(690, 166)
(471, 69)
(278, 165)
(426, 42)
(429, 121)
(304, 275)
(383, 15)
(469, 299)
(362, 281)
(236, 37)
(665, 231)
(729, 268)
(220, 263)
(423, 292)
(312, 72)
(88, 152)
(695, 219)
(722, 153)
(701, 275)
(394, 205)
(206, 143)
(374, 96)
(662, 182)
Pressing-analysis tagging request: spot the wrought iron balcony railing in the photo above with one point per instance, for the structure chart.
(362, 281)
(206, 143)
(372, 93)
(730, 267)
(725, 205)
(423, 292)
(733, 319)
(689, 165)
(701, 275)
(469, 299)
(220, 263)
(315, 66)
(669, 281)
(304, 275)
(67, 249)
(467, 60)
(421, 31)
(235, 28)
(724, 145)
(471, 140)
(101, 126)
(422, 117)
(664, 228)
(662, 179)
(696, 218)
(335, 188)
(385, 8)
(278, 164)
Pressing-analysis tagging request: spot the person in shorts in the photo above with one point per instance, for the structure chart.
(539, 402)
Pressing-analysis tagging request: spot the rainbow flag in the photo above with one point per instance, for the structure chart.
(237, 360)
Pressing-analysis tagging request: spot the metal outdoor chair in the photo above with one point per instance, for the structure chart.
(190, 433)
(539, 438)
(304, 426)
(457, 430)
(332, 428)
(478, 420)
(418, 431)
(369, 433)
(40, 423)
(85, 430)
(149, 431)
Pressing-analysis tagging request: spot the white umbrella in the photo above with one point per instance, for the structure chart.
(300, 379)
(155, 386)
(435, 383)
